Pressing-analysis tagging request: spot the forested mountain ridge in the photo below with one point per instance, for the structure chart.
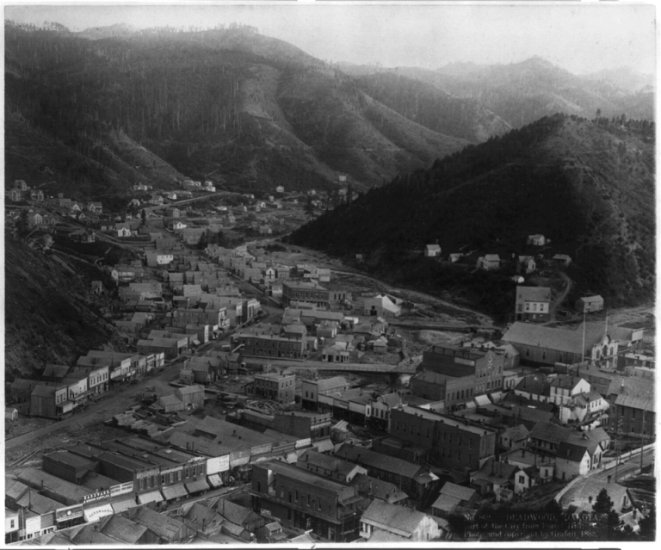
(92, 113)
(520, 93)
(253, 111)
(587, 185)
(432, 107)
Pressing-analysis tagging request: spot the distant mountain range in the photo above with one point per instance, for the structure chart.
(587, 185)
(520, 93)
(94, 112)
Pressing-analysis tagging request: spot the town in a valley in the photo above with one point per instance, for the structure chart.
(224, 327)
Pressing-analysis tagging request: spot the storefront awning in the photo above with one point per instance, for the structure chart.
(123, 504)
(215, 480)
(197, 486)
(174, 491)
(95, 513)
(151, 496)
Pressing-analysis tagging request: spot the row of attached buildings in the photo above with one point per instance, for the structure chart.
(63, 389)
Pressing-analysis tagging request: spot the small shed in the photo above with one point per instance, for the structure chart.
(432, 250)
(588, 304)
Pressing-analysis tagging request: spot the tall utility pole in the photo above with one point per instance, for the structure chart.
(642, 441)
(583, 348)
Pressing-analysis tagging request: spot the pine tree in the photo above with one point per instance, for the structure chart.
(603, 503)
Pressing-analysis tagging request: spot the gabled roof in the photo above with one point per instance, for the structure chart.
(569, 451)
(169, 399)
(391, 399)
(14, 489)
(548, 431)
(632, 391)
(89, 534)
(56, 371)
(164, 526)
(533, 293)
(517, 433)
(201, 515)
(378, 461)
(589, 439)
(492, 469)
(380, 489)
(536, 384)
(457, 491)
(446, 503)
(311, 460)
(39, 504)
(42, 390)
(393, 518)
(123, 529)
(565, 381)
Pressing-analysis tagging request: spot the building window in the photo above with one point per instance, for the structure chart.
(522, 479)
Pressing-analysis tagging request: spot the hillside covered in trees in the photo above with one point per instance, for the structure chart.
(104, 109)
(587, 185)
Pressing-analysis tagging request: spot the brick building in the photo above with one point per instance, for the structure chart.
(265, 345)
(315, 294)
(450, 442)
(462, 373)
(274, 386)
(305, 500)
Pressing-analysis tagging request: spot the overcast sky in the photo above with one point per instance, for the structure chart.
(581, 38)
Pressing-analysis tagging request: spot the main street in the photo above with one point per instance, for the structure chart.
(115, 401)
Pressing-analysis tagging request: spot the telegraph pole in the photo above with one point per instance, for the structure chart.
(642, 441)
(583, 348)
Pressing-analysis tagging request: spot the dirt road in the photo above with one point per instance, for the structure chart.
(115, 401)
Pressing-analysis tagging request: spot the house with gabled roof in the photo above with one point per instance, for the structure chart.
(514, 437)
(534, 387)
(432, 250)
(533, 303)
(494, 477)
(126, 531)
(489, 262)
(584, 408)
(398, 523)
(530, 476)
(537, 239)
(564, 387)
(452, 498)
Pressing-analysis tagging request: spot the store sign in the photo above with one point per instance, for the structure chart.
(218, 464)
(121, 489)
(172, 470)
(98, 512)
(96, 496)
(66, 514)
(146, 473)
